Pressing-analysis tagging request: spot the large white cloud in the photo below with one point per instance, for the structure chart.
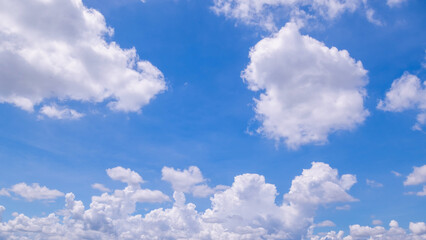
(307, 89)
(246, 210)
(57, 51)
(263, 12)
(406, 92)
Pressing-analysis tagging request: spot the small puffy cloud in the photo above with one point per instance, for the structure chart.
(53, 111)
(35, 192)
(394, 3)
(326, 223)
(265, 12)
(58, 51)
(4, 192)
(188, 181)
(100, 187)
(307, 90)
(125, 175)
(418, 176)
(373, 183)
(406, 92)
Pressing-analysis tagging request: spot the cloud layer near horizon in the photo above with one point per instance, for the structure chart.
(56, 51)
(247, 209)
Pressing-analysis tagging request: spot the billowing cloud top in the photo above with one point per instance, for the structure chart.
(53, 50)
(245, 210)
(307, 89)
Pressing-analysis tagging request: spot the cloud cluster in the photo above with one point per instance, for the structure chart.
(56, 51)
(394, 232)
(261, 12)
(307, 89)
(406, 92)
(245, 210)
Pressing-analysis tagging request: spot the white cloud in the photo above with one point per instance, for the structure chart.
(56, 112)
(344, 207)
(406, 93)
(423, 192)
(373, 183)
(394, 232)
(307, 89)
(377, 222)
(4, 192)
(246, 210)
(326, 223)
(418, 228)
(125, 175)
(35, 192)
(57, 50)
(418, 176)
(394, 3)
(397, 174)
(100, 187)
(264, 12)
(1, 212)
(371, 18)
(187, 181)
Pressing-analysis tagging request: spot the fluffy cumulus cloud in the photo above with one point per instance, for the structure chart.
(53, 111)
(125, 175)
(406, 92)
(261, 12)
(417, 177)
(188, 181)
(307, 90)
(32, 192)
(394, 232)
(245, 210)
(57, 50)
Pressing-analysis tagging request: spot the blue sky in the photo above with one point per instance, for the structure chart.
(202, 113)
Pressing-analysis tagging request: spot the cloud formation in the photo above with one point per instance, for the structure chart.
(307, 90)
(264, 12)
(187, 181)
(245, 210)
(34, 192)
(394, 232)
(406, 92)
(58, 51)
